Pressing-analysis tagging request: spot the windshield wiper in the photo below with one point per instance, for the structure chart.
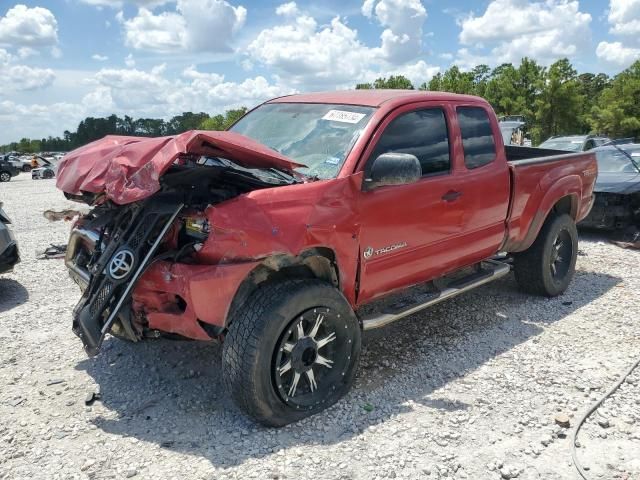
(612, 143)
(284, 175)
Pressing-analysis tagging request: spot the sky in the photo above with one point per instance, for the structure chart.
(64, 60)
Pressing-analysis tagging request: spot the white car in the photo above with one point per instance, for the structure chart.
(47, 169)
(22, 164)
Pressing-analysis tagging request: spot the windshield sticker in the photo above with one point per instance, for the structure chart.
(332, 161)
(635, 154)
(343, 116)
(576, 141)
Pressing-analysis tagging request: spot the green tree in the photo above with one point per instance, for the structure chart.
(222, 122)
(559, 104)
(617, 112)
(399, 82)
(185, 121)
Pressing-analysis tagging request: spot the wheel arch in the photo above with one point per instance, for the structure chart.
(568, 203)
(316, 262)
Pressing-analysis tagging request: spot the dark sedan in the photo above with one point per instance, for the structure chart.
(9, 254)
(617, 204)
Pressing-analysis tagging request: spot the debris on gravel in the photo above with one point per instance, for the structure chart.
(484, 386)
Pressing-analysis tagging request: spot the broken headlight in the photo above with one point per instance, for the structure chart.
(197, 227)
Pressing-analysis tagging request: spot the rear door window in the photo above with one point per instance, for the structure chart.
(477, 136)
(422, 133)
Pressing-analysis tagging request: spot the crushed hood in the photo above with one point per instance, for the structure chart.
(624, 183)
(128, 169)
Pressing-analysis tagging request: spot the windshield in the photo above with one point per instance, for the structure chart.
(615, 161)
(571, 145)
(319, 136)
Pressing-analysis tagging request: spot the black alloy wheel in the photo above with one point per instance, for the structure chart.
(308, 361)
(291, 350)
(548, 265)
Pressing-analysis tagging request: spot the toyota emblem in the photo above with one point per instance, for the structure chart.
(368, 253)
(121, 264)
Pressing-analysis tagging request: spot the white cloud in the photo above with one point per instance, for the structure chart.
(517, 28)
(313, 56)
(151, 93)
(196, 25)
(99, 58)
(466, 60)
(164, 32)
(308, 53)
(138, 93)
(129, 61)
(120, 3)
(288, 9)
(616, 53)
(28, 27)
(403, 20)
(624, 17)
(418, 72)
(37, 120)
(22, 77)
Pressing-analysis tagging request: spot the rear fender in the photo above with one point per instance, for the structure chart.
(563, 197)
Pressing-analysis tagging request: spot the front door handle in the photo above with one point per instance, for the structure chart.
(451, 195)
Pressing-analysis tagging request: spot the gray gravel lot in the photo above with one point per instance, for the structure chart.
(468, 389)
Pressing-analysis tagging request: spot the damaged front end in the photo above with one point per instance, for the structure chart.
(114, 245)
(109, 252)
(614, 211)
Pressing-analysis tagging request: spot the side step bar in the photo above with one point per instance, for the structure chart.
(491, 270)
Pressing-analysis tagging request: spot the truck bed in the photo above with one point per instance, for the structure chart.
(516, 153)
(538, 178)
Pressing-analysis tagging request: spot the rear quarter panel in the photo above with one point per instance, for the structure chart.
(538, 185)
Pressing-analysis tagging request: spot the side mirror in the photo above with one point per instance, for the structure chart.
(394, 169)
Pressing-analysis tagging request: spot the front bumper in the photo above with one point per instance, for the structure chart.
(185, 299)
(9, 253)
(9, 258)
(189, 299)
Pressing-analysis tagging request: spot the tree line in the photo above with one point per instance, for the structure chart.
(91, 129)
(555, 100)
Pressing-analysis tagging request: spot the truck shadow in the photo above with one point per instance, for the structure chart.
(169, 394)
(12, 294)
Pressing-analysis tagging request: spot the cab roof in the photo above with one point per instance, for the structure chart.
(374, 98)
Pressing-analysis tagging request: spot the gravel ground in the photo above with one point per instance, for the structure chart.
(469, 389)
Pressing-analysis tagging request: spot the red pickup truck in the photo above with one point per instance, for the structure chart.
(302, 225)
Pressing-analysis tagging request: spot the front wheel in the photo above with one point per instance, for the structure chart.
(291, 351)
(548, 266)
(5, 176)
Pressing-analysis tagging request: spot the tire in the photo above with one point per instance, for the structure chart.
(263, 351)
(5, 176)
(26, 168)
(547, 267)
(47, 174)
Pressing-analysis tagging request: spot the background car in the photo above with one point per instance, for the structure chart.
(574, 143)
(7, 170)
(617, 189)
(21, 163)
(47, 169)
(9, 254)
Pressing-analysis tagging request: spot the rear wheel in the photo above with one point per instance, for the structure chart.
(5, 176)
(47, 174)
(26, 168)
(291, 351)
(548, 266)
